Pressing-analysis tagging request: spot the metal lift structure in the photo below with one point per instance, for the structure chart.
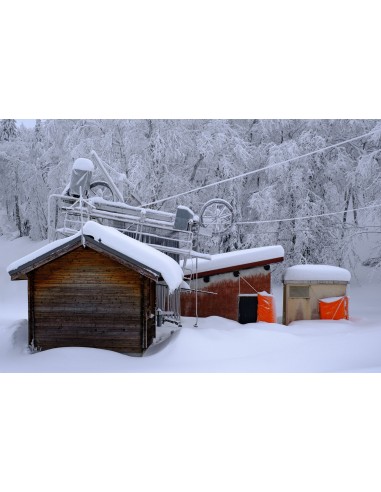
(100, 200)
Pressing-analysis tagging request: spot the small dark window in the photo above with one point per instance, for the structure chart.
(206, 279)
(236, 273)
(300, 291)
(267, 267)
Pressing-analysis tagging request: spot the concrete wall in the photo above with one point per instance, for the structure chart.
(295, 309)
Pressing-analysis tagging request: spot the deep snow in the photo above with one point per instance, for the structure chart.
(216, 345)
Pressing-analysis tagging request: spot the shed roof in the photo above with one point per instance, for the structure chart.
(108, 240)
(236, 260)
(308, 273)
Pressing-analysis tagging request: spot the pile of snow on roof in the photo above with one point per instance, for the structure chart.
(316, 273)
(168, 268)
(83, 164)
(236, 258)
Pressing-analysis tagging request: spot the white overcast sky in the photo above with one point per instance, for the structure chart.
(27, 123)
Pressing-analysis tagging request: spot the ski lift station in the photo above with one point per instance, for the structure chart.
(112, 273)
(116, 276)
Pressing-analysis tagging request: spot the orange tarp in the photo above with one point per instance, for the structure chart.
(266, 308)
(334, 309)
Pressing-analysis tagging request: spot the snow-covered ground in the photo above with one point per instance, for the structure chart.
(215, 345)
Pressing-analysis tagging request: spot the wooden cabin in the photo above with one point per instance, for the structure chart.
(229, 283)
(305, 285)
(96, 290)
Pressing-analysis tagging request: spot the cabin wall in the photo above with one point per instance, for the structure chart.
(295, 309)
(86, 299)
(227, 288)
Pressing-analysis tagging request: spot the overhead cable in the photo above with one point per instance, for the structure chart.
(306, 216)
(287, 161)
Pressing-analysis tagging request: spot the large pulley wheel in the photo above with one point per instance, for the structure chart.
(102, 190)
(216, 216)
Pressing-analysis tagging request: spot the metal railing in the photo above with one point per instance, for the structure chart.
(152, 227)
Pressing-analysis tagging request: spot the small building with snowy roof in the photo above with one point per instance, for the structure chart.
(95, 289)
(229, 283)
(306, 285)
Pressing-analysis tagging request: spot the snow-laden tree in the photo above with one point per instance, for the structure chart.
(153, 160)
(14, 184)
(8, 130)
(223, 151)
(310, 186)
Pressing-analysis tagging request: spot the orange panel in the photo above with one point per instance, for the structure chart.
(335, 309)
(266, 308)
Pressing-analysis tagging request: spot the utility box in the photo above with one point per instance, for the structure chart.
(305, 285)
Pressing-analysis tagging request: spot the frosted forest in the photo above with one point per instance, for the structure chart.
(322, 207)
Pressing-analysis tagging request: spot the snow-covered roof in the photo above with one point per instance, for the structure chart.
(236, 259)
(307, 273)
(24, 260)
(153, 259)
(83, 164)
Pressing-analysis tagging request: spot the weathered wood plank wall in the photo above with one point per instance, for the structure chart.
(86, 299)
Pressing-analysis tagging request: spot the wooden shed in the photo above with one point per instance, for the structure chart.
(305, 285)
(229, 283)
(96, 289)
